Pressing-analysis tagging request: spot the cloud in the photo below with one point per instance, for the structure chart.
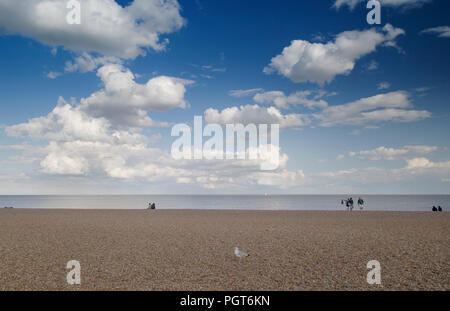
(78, 142)
(280, 100)
(62, 163)
(154, 138)
(419, 163)
(53, 74)
(417, 168)
(391, 3)
(255, 114)
(86, 62)
(88, 145)
(441, 31)
(244, 93)
(422, 89)
(203, 71)
(379, 108)
(213, 69)
(106, 27)
(68, 123)
(386, 153)
(384, 85)
(9, 178)
(112, 113)
(303, 61)
(136, 161)
(388, 107)
(206, 76)
(373, 65)
(283, 179)
(125, 102)
(319, 37)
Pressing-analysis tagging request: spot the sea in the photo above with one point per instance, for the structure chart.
(227, 202)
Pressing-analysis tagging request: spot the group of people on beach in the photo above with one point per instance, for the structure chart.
(151, 206)
(437, 209)
(349, 203)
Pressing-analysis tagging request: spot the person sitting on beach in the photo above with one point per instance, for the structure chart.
(153, 206)
(434, 209)
(439, 208)
(361, 203)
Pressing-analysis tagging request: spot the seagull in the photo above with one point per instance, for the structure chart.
(240, 254)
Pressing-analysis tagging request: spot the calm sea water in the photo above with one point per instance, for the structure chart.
(248, 202)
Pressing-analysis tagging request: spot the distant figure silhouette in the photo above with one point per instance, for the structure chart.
(439, 208)
(360, 203)
(434, 209)
(347, 204)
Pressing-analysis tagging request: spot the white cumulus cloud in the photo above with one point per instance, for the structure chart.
(68, 123)
(126, 103)
(106, 27)
(255, 114)
(303, 61)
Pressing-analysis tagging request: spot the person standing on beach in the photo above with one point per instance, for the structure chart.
(347, 203)
(439, 208)
(351, 204)
(361, 203)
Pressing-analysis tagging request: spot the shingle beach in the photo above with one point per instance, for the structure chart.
(193, 249)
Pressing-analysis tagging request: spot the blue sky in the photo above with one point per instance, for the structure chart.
(90, 109)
